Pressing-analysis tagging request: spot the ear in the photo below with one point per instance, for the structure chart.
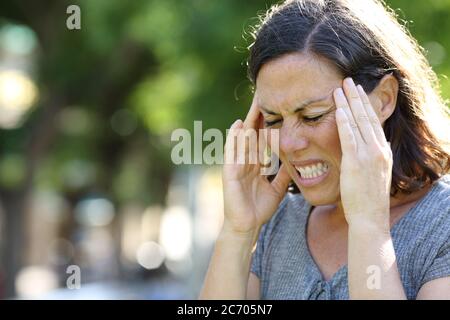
(384, 97)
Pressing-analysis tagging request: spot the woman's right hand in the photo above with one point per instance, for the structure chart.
(250, 199)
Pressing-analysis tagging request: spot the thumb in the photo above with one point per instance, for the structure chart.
(281, 181)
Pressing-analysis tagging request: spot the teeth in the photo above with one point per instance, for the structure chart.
(308, 171)
(313, 171)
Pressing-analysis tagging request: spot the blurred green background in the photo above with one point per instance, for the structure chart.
(86, 118)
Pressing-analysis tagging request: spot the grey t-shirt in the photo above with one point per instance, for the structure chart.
(286, 269)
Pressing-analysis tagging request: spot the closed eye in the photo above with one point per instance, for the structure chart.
(270, 123)
(312, 119)
(305, 119)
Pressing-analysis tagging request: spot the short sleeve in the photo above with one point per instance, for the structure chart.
(256, 264)
(440, 267)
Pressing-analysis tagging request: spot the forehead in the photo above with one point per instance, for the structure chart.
(295, 78)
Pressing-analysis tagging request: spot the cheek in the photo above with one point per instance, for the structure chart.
(328, 136)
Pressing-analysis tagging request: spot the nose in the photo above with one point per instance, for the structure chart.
(292, 139)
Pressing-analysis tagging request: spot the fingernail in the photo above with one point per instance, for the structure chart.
(339, 92)
(349, 81)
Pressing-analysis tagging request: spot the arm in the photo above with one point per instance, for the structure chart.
(365, 183)
(228, 272)
(372, 267)
(250, 200)
(436, 280)
(253, 288)
(437, 289)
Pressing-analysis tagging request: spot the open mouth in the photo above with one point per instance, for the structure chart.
(312, 171)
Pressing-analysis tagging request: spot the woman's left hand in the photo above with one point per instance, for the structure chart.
(366, 165)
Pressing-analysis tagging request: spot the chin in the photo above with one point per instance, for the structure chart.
(319, 198)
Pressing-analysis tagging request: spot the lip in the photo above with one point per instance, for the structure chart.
(305, 182)
(305, 162)
(308, 182)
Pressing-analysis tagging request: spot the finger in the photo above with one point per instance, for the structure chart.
(263, 147)
(281, 181)
(346, 133)
(290, 169)
(263, 143)
(230, 143)
(358, 111)
(269, 151)
(246, 145)
(341, 103)
(251, 146)
(252, 119)
(373, 118)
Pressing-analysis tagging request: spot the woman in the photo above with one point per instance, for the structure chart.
(358, 113)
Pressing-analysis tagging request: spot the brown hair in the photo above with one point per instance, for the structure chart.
(365, 41)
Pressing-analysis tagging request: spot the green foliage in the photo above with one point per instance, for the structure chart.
(162, 63)
(429, 23)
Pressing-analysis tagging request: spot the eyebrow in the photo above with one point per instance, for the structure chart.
(300, 107)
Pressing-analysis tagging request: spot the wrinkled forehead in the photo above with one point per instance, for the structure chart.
(296, 78)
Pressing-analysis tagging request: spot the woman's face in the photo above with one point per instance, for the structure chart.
(295, 95)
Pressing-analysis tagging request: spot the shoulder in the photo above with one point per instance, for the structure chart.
(432, 214)
(435, 250)
(426, 228)
(436, 204)
(442, 188)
